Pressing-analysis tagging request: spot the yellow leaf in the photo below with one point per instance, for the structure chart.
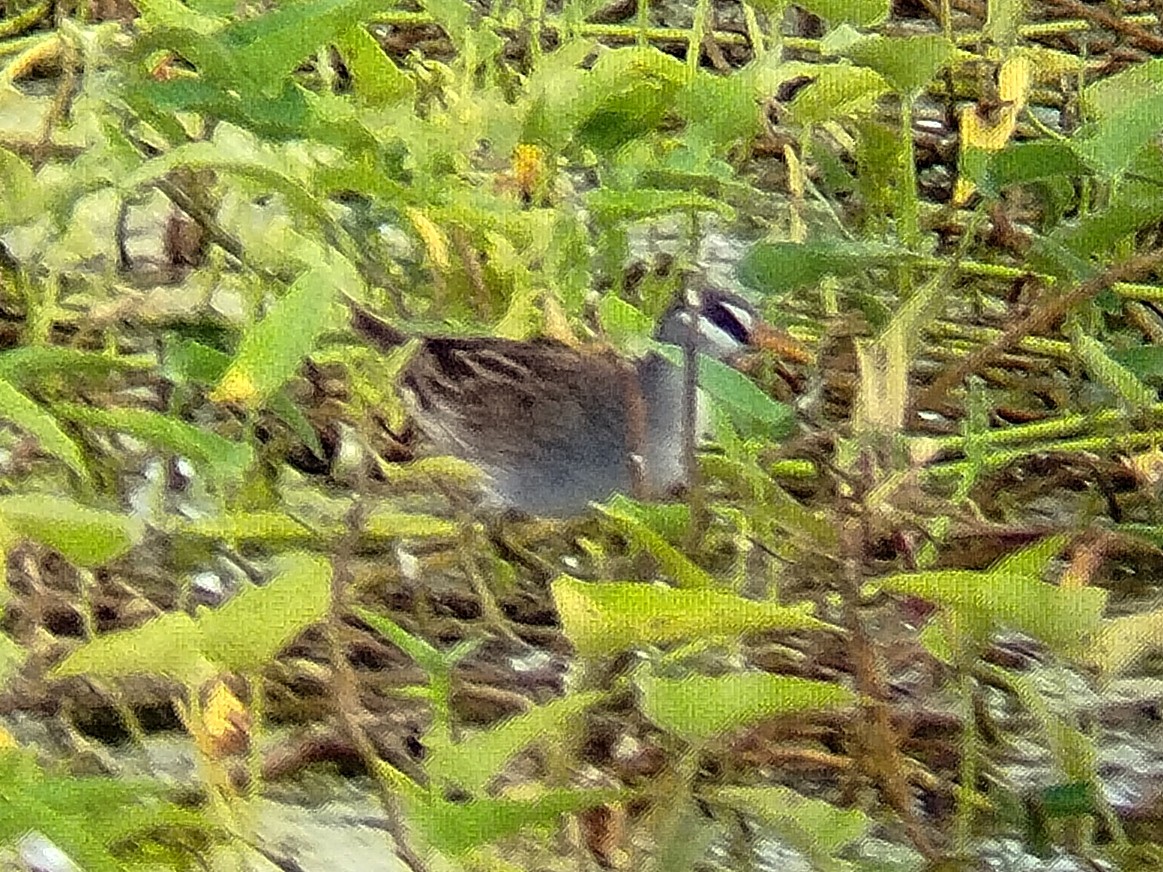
(1013, 81)
(235, 387)
(433, 237)
(225, 723)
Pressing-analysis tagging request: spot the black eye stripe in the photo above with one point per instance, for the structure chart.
(725, 320)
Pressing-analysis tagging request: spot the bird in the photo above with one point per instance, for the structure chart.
(554, 427)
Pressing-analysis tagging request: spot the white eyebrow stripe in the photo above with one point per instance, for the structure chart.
(723, 343)
(741, 315)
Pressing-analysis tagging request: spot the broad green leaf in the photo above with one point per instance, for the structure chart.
(246, 633)
(20, 195)
(756, 414)
(168, 645)
(84, 536)
(1025, 162)
(602, 619)
(100, 824)
(1112, 144)
(777, 267)
(837, 92)
(626, 326)
(185, 360)
(1127, 109)
(1124, 641)
(811, 529)
(179, 16)
(456, 828)
(687, 574)
(1145, 361)
(812, 826)
(858, 13)
(614, 206)
(1063, 618)
(273, 348)
(1110, 374)
(29, 416)
(624, 96)
(271, 46)
(1033, 560)
(670, 520)
(908, 63)
(1113, 96)
(220, 457)
(1132, 204)
(29, 364)
(376, 80)
(699, 708)
(1002, 19)
(475, 761)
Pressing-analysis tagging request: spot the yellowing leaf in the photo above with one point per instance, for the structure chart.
(435, 242)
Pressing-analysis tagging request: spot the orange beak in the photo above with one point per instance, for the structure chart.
(781, 343)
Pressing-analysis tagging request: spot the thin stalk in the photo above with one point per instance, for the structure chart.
(909, 217)
(698, 31)
(1095, 444)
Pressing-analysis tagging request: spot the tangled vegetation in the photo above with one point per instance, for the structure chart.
(895, 555)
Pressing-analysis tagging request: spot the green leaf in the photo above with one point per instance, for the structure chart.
(698, 708)
(1145, 361)
(858, 13)
(1127, 109)
(246, 633)
(609, 618)
(625, 95)
(1132, 204)
(185, 360)
(222, 459)
(270, 47)
(456, 828)
(84, 536)
(612, 206)
(1063, 618)
(908, 63)
(687, 574)
(376, 80)
(22, 412)
(1110, 374)
(837, 92)
(816, 828)
(475, 761)
(428, 658)
(778, 267)
(99, 824)
(31, 364)
(754, 413)
(1113, 96)
(1021, 163)
(20, 196)
(168, 645)
(272, 349)
(1112, 144)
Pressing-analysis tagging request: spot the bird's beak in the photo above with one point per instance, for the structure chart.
(780, 342)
